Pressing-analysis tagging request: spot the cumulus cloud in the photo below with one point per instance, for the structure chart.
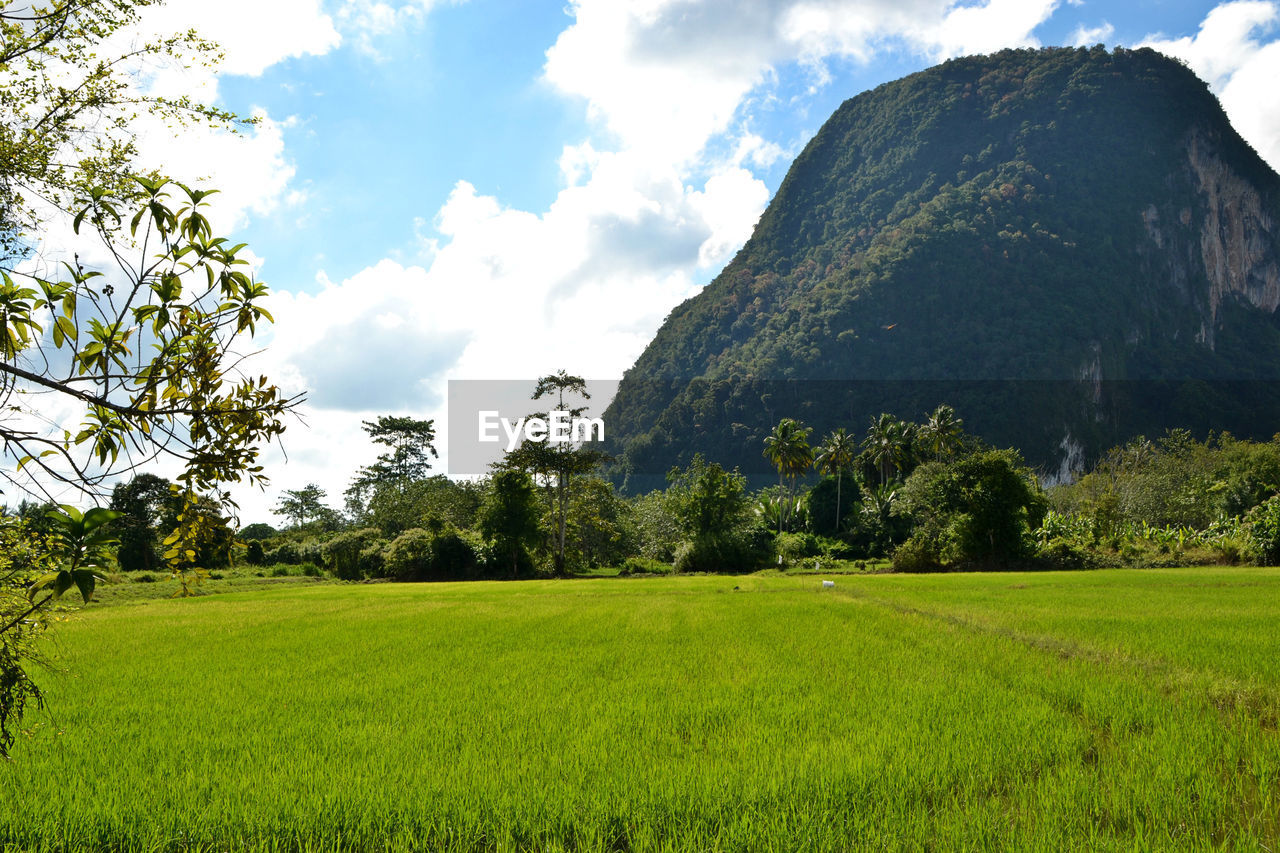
(370, 20)
(374, 342)
(1237, 52)
(250, 168)
(667, 75)
(1089, 36)
(253, 35)
(653, 203)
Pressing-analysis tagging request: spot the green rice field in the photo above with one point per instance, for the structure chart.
(1127, 710)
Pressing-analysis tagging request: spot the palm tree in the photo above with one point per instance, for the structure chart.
(877, 509)
(942, 431)
(887, 444)
(834, 457)
(787, 447)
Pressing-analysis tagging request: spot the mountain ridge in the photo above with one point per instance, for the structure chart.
(1082, 226)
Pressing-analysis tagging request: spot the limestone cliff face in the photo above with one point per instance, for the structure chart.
(1221, 243)
(1238, 237)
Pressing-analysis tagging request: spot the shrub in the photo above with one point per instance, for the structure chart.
(643, 566)
(254, 554)
(279, 570)
(310, 552)
(453, 556)
(1230, 550)
(796, 546)
(837, 549)
(1066, 555)
(346, 554)
(408, 557)
(656, 527)
(917, 554)
(742, 551)
(978, 511)
(371, 562)
(286, 552)
(1264, 531)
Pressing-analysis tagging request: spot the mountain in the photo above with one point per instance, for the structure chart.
(1070, 246)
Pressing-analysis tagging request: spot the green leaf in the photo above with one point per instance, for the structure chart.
(84, 580)
(98, 516)
(65, 328)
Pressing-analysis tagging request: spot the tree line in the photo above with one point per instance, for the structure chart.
(923, 496)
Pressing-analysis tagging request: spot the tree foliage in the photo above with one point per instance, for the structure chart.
(787, 449)
(834, 458)
(24, 555)
(978, 511)
(509, 518)
(151, 355)
(67, 106)
(149, 512)
(392, 492)
(302, 505)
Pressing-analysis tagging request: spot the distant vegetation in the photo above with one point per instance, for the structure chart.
(924, 496)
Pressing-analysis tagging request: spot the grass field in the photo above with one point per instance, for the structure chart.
(1122, 710)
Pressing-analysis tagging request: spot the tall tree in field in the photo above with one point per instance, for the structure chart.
(387, 492)
(412, 444)
(834, 456)
(564, 460)
(787, 447)
(149, 511)
(301, 505)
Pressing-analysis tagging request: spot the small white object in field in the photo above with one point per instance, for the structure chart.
(828, 584)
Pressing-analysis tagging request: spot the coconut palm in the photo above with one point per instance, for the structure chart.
(834, 457)
(941, 432)
(887, 444)
(787, 447)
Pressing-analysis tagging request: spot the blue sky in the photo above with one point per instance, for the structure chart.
(459, 95)
(494, 189)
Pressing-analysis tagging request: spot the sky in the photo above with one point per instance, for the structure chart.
(498, 189)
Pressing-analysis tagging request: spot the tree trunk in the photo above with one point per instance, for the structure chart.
(838, 478)
(561, 490)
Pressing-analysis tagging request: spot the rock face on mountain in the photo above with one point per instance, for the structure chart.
(1070, 246)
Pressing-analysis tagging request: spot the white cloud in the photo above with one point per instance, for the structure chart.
(656, 201)
(253, 35)
(983, 29)
(1237, 53)
(250, 168)
(508, 295)
(1089, 36)
(665, 76)
(370, 20)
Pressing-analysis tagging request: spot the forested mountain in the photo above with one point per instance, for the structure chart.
(1070, 246)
